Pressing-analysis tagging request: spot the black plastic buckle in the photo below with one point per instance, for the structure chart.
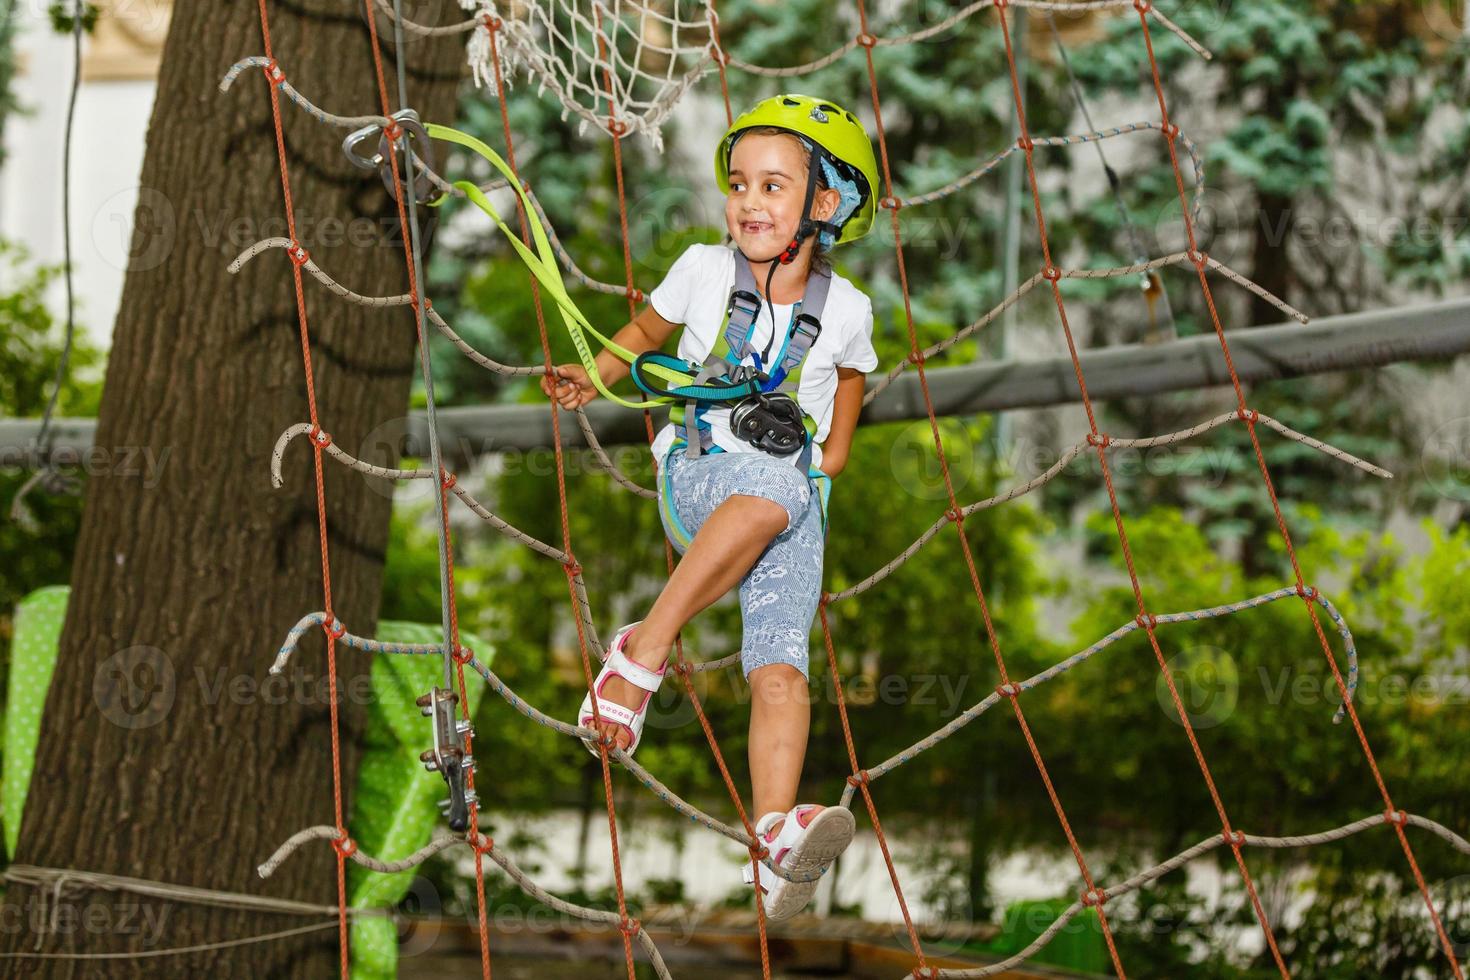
(802, 319)
(751, 299)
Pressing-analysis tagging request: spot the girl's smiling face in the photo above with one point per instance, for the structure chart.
(768, 175)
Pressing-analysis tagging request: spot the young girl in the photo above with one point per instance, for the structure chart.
(743, 491)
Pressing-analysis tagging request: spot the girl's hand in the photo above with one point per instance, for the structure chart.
(570, 385)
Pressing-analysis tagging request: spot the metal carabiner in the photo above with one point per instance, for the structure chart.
(413, 137)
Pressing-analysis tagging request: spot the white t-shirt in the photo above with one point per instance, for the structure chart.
(695, 293)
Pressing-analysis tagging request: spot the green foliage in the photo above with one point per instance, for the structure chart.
(37, 552)
(64, 16)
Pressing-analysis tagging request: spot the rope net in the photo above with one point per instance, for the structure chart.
(508, 35)
(621, 66)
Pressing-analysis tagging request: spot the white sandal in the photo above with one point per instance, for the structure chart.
(618, 665)
(809, 841)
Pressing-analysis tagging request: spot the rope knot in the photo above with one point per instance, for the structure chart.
(1234, 838)
(447, 480)
(1142, 6)
(866, 40)
(393, 131)
(637, 295)
(1008, 690)
(1398, 817)
(334, 627)
(1051, 273)
(859, 778)
(480, 843)
(573, 567)
(1147, 620)
(1170, 131)
(1197, 257)
(464, 655)
(890, 204)
(319, 436)
(492, 23)
(274, 73)
(1099, 439)
(1248, 415)
(299, 255)
(616, 126)
(915, 357)
(413, 300)
(628, 926)
(1026, 143)
(955, 514)
(1308, 592)
(684, 667)
(344, 845)
(1094, 896)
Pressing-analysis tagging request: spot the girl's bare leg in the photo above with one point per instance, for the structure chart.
(780, 717)
(726, 546)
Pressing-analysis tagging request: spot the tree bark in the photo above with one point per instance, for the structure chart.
(165, 754)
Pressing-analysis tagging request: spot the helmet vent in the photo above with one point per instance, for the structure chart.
(789, 101)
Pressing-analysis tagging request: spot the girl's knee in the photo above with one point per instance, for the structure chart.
(766, 515)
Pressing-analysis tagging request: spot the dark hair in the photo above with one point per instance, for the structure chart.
(821, 262)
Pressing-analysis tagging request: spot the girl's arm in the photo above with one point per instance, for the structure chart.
(846, 405)
(570, 385)
(646, 331)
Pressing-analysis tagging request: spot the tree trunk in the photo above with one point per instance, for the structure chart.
(164, 754)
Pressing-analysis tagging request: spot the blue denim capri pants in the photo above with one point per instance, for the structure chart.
(780, 593)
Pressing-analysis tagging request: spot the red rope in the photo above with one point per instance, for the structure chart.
(1171, 133)
(275, 76)
(917, 359)
(1145, 619)
(493, 26)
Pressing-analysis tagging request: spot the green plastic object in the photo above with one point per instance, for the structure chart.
(395, 807)
(1078, 946)
(38, 619)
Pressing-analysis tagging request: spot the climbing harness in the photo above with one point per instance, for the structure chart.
(763, 406)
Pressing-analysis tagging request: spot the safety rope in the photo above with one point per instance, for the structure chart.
(342, 844)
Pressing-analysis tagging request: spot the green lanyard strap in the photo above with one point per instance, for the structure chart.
(543, 266)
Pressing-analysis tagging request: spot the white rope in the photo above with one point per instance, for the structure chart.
(621, 66)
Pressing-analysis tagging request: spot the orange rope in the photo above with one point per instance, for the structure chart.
(1171, 133)
(626, 925)
(343, 845)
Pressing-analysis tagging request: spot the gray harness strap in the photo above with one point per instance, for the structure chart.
(741, 315)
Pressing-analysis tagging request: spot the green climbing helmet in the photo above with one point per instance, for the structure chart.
(826, 124)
